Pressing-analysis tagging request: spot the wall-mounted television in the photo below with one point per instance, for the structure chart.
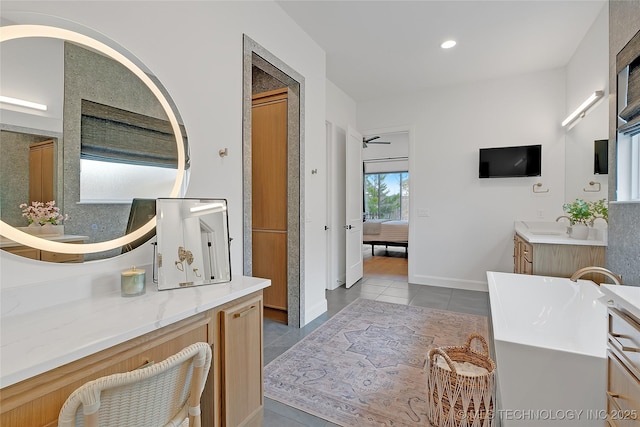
(508, 162)
(601, 157)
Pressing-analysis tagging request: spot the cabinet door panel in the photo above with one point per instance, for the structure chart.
(269, 165)
(241, 343)
(270, 262)
(41, 171)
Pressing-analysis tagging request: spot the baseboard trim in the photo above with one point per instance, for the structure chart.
(335, 285)
(315, 311)
(447, 282)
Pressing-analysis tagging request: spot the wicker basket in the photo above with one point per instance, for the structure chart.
(457, 400)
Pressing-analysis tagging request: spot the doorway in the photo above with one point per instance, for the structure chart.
(386, 202)
(261, 72)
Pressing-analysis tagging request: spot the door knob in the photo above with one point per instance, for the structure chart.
(326, 227)
(348, 227)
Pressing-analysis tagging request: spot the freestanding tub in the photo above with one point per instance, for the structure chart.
(550, 343)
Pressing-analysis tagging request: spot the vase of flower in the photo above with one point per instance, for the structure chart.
(582, 214)
(33, 228)
(579, 231)
(45, 216)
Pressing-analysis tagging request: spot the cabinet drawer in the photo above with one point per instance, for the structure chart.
(24, 251)
(58, 257)
(624, 336)
(623, 394)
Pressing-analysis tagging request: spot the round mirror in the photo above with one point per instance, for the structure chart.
(120, 145)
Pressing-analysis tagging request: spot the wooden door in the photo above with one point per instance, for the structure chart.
(41, 171)
(269, 197)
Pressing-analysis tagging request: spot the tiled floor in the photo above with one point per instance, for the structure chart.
(278, 337)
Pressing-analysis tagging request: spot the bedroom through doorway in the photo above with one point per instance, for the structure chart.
(386, 191)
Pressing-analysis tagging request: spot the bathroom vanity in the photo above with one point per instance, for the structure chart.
(623, 355)
(50, 351)
(545, 249)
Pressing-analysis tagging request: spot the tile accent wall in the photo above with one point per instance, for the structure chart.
(623, 251)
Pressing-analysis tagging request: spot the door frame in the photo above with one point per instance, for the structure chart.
(254, 54)
(411, 131)
(329, 203)
(354, 221)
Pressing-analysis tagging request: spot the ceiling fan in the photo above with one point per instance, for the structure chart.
(372, 140)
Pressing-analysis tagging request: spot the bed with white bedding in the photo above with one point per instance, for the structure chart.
(386, 232)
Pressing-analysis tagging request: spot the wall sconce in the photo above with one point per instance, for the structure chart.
(22, 103)
(581, 110)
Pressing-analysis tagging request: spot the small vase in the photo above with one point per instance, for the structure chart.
(47, 228)
(33, 228)
(579, 232)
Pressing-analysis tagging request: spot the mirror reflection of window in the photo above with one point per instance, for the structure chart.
(628, 159)
(126, 181)
(628, 121)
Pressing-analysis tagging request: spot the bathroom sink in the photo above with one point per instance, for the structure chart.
(548, 233)
(552, 232)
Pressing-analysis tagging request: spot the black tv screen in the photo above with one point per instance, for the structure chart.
(507, 162)
(601, 157)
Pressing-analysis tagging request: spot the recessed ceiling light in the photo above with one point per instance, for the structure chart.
(448, 44)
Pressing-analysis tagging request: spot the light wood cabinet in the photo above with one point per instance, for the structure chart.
(623, 369)
(269, 197)
(556, 260)
(233, 391)
(241, 354)
(522, 256)
(41, 255)
(41, 171)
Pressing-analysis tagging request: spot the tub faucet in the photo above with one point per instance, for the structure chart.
(563, 216)
(578, 274)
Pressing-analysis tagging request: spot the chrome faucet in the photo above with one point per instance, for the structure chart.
(563, 216)
(602, 218)
(578, 274)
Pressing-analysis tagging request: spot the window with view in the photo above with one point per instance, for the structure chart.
(628, 164)
(386, 195)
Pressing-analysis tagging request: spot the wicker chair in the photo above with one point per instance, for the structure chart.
(163, 394)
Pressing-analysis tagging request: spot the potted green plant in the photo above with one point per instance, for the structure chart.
(582, 214)
(600, 209)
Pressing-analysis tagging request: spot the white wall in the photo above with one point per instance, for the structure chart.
(377, 157)
(586, 72)
(469, 227)
(341, 112)
(195, 49)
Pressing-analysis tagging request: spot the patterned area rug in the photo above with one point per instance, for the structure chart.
(366, 366)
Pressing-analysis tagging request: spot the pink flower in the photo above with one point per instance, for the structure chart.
(42, 213)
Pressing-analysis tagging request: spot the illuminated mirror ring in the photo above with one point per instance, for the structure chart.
(23, 31)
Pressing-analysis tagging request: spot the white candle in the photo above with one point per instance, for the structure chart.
(132, 282)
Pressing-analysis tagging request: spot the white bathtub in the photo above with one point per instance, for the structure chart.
(550, 341)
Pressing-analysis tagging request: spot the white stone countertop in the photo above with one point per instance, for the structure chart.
(555, 233)
(626, 297)
(36, 341)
